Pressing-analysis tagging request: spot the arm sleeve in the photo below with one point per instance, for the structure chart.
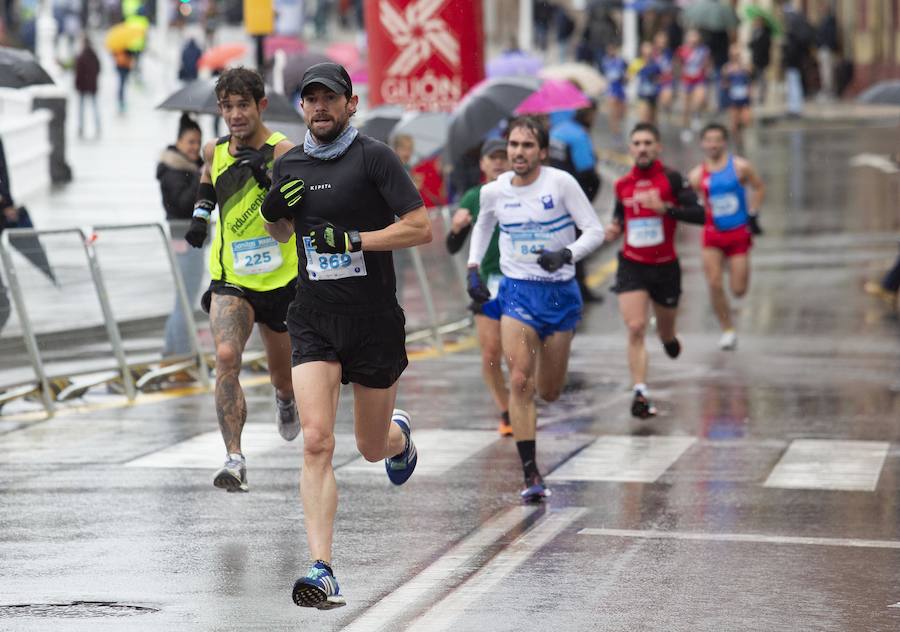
(619, 212)
(455, 241)
(394, 184)
(687, 207)
(484, 227)
(589, 182)
(579, 207)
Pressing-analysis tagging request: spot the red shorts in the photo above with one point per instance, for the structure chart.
(730, 242)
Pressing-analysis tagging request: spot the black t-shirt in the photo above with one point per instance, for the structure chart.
(362, 190)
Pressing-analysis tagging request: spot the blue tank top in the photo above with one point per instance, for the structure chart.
(648, 80)
(614, 70)
(739, 85)
(727, 198)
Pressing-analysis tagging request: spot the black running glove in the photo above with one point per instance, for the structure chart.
(282, 199)
(479, 293)
(553, 260)
(256, 162)
(326, 238)
(196, 232)
(753, 222)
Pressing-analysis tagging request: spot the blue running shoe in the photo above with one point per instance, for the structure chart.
(319, 589)
(535, 491)
(400, 468)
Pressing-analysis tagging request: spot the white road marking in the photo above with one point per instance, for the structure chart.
(754, 538)
(827, 464)
(878, 161)
(439, 451)
(443, 615)
(206, 448)
(623, 458)
(434, 580)
(895, 605)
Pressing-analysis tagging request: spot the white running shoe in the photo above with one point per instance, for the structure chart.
(287, 419)
(728, 341)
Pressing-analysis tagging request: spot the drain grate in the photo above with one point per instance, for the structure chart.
(73, 610)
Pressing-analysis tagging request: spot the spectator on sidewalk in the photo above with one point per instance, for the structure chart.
(760, 56)
(190, 57)
(124, 63)
(798, 37)
(178, 173)
(827, 51)
(87, 69)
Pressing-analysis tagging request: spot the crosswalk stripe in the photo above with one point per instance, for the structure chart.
(202, 450)
(439, 451)
(444, 614)
(830, 464)
(745, 538)
(434, 579)
(623, 458)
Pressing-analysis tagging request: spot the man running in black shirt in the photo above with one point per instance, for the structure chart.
(339, 192)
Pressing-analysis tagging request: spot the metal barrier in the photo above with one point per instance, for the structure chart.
(65, 335)
(73, 344)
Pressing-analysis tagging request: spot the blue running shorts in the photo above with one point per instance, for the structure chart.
(545, 306)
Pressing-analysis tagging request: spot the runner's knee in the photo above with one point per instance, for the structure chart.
(521, 382)
(636, 327)
(317, 442)
(228, 356)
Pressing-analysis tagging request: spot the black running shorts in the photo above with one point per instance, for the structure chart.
(661, 281)
(269, 308)
(371, 346)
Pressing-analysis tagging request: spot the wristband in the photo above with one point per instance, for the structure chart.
(201, 213)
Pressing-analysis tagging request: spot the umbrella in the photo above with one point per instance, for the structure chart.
(219, 57)
(344, 53)
(883, 92)
(554, 95)
(427, 129)
(585, 76)
(122, 36)
(288, 43)
(752, 12)
(296, 65)
(200, 96)
(514, 63)
(29, 245)
(19, 68)
(710, 15)
(486, 104)
(381, 120)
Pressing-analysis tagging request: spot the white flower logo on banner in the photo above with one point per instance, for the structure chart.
(419, 34)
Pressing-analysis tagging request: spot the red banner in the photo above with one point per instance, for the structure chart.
(424, 54)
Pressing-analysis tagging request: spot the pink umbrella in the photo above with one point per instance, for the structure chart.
(359, 74)
(288, 43)
(554, 95)
(344, 53)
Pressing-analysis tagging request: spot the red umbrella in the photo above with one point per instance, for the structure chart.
(219, 57)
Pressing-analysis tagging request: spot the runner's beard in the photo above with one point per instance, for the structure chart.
(329, 137)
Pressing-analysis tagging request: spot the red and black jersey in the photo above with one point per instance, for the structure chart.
(649, 236)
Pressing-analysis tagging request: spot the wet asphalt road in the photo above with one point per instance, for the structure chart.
(707, 518)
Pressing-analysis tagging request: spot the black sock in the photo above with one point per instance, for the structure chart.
(527, 454)
(505, 416)
(673, 348)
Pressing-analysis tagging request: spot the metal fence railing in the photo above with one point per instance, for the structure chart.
(94, 315)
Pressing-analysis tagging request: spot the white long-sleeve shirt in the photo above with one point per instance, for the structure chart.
(542, 215)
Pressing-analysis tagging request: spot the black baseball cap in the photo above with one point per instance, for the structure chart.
(493, 145)
(329, 74)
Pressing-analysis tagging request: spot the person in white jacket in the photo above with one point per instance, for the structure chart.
(537, 208)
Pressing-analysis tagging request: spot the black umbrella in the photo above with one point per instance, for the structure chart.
(482, 109)
(200, 96)
(295, 65)
(381, 121)
(883, 92)
(29, 245)
(19, 68)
